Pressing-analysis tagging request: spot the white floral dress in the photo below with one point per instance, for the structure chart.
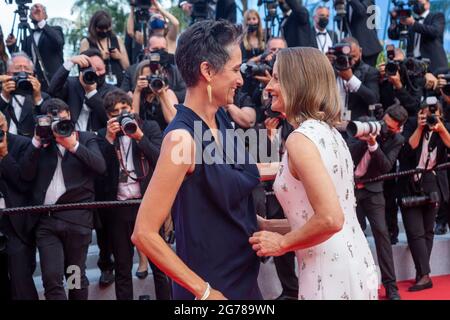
(341, 267)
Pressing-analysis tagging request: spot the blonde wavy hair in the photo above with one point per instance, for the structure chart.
(308, 85)
(259, 33)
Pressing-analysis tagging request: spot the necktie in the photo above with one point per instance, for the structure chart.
(321, 33)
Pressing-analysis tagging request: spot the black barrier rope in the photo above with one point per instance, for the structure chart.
(390, 176)
(72, 206)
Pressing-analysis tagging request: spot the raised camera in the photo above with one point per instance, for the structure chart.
(128, 122)
(23, 85)
(360, 129)
(392, 66)
(431, 103)
(89, 75)
(342, 53)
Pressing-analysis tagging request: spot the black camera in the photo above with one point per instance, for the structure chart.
(403, 9)
(47, 125)
(431, 103)
(422, 200)
(342, 52)
(446, 88)
(200, 10)
(416, 68)
(128, 122)
(156, 80)
(23, 85)
(251, 69)
(392, 66)
(89, 75)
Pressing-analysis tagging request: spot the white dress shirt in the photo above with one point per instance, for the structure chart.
(363, 165)
(418, 36)
(17, 102)
(130, 189)
(324, 41)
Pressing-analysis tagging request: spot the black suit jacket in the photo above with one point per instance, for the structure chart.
(367, 38)
(79, 170)
(50, 46)
(382, 160)
(297, 27)
(408, 96)
(15, 190)
(149, 147)
(26, 123)
(226, 9)
(409, 159)
(367, 94)
(431, 41)
(70, 90)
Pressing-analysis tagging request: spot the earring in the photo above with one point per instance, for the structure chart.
(209, 89)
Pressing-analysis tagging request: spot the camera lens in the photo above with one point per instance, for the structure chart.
(63, 128)
(128, 124)
(157, 84)
(89, 76)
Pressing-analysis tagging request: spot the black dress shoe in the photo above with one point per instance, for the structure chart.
(419, 287)
(286, 297)
(440, 229)
(392, 293)
(106, 278)
(142, 274)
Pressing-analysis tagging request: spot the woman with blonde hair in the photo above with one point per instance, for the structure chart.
(253, 37)
(315, 186)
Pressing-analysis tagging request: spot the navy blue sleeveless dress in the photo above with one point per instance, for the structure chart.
(214, 217)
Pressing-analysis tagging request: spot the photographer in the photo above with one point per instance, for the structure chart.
(296, 26)
(357, 81)
(84, 94)
(396, 83)
(61, 164)
(131, 149)
(18, 228)
(373, 155)
(152, 98)
(426, 147)
(49, 41)
(158, 45)
(3, 54)
(425, 33)
(157, 24)
(209, 9)
(21, 95)
(101, 37)
(361, 29)
(253, 38)
(323, 38)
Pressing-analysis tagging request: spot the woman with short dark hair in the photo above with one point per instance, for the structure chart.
(213, 210)
(111, 46)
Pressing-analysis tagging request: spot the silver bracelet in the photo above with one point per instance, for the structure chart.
(207, 292)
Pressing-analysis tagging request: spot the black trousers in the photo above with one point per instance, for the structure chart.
(63, 248)
(122, 225)
(419, 227)
(285, 264)
(104, 236)
(21, 258)
(391, 211)
(372, 206)
(443, 215)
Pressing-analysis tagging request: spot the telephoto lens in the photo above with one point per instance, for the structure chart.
(359, 129)
(64, 128)
(417, 201)
(128, 123)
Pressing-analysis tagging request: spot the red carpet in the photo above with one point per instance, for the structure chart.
(440, 290)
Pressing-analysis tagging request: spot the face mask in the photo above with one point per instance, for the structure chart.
(101, 80)
(252, 27)
(419, 8)
(103, 34)
(323, 23)
(157, 24)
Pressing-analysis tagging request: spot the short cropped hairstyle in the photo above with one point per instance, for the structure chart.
(114, 97)
(54, 104)
(351, 41)
(206, 40)
(398, 113)
(308, 85)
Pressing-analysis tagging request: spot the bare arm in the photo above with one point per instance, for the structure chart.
(124, 60)
(328, 218)
(84, 45)
(168, 102)
(245, 117)
(156, 205)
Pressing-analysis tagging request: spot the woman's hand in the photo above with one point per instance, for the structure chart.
(141, 84)
(116, 54)
(267, 244)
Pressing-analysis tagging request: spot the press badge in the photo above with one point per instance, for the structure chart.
(111, 79)
(347, 115)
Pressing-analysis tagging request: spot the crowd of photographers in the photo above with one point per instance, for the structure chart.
(96, 136)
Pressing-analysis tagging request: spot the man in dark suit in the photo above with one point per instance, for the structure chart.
(19, 106)
(358, 85)
(425, 34)
(49, 41)
(361, 29)
(18, 228)
(85, 100)
(373, 156)
(296, 28)
(323, 38)
(131, 157)
(62, 170)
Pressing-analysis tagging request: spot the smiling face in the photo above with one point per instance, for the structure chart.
(274, 88)
(225, 82)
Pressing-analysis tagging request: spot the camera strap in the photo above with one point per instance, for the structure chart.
(118, 146)
(39, 59)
